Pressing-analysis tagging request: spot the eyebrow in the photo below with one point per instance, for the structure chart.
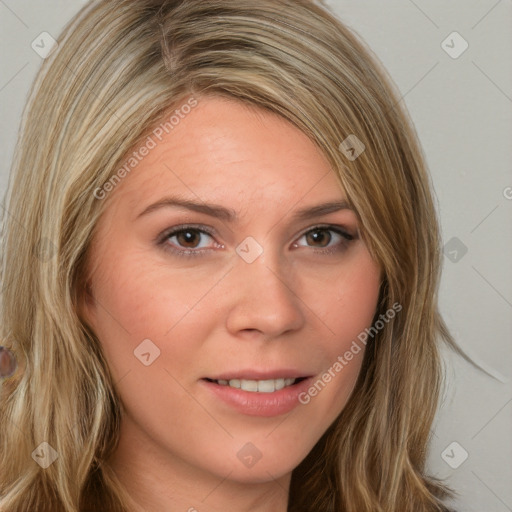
(229, 215)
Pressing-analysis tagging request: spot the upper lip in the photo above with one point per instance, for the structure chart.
(252, 374)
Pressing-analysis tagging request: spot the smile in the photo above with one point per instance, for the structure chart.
(258, 386)
(257, 397)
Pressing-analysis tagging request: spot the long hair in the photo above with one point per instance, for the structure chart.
(120, 66)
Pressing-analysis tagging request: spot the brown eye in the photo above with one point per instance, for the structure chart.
(189, 238)
(319, 236)
(188, 241)
(326, 239)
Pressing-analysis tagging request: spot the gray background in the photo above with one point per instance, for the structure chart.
(462, 110)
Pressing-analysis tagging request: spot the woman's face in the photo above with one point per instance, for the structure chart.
(228, 254)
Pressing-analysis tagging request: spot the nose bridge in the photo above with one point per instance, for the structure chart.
(264, 298)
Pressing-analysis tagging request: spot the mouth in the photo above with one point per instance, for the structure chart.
(264, 393)
(258, 386)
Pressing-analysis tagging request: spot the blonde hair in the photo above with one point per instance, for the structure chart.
(120, 67)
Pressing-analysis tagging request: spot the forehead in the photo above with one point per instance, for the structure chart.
(224, 150)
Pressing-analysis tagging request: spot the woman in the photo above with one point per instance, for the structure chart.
(225, 295)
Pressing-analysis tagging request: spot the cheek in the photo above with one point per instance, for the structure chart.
(347, 307)
(347, 301)
(138, 298)
(357, 294)
(136, 294)
(130, 306)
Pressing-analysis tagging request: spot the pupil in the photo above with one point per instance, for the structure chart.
(316, 236)
(187, 237)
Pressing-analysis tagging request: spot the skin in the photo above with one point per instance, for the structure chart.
(7, 363)
(293, 306)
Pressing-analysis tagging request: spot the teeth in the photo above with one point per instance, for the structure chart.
(262, 386)
(235, 383)
(267, 386)
(279, 384)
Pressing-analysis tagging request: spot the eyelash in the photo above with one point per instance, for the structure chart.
(164, 237)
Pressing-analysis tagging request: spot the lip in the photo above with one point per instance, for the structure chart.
(252, 374)
(255, 403)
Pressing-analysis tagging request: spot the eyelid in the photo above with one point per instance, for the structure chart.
(331, 227)
(164, 236)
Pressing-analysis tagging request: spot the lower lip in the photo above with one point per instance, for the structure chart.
(254, 403)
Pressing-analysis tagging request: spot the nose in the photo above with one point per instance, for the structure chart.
(263, 299)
